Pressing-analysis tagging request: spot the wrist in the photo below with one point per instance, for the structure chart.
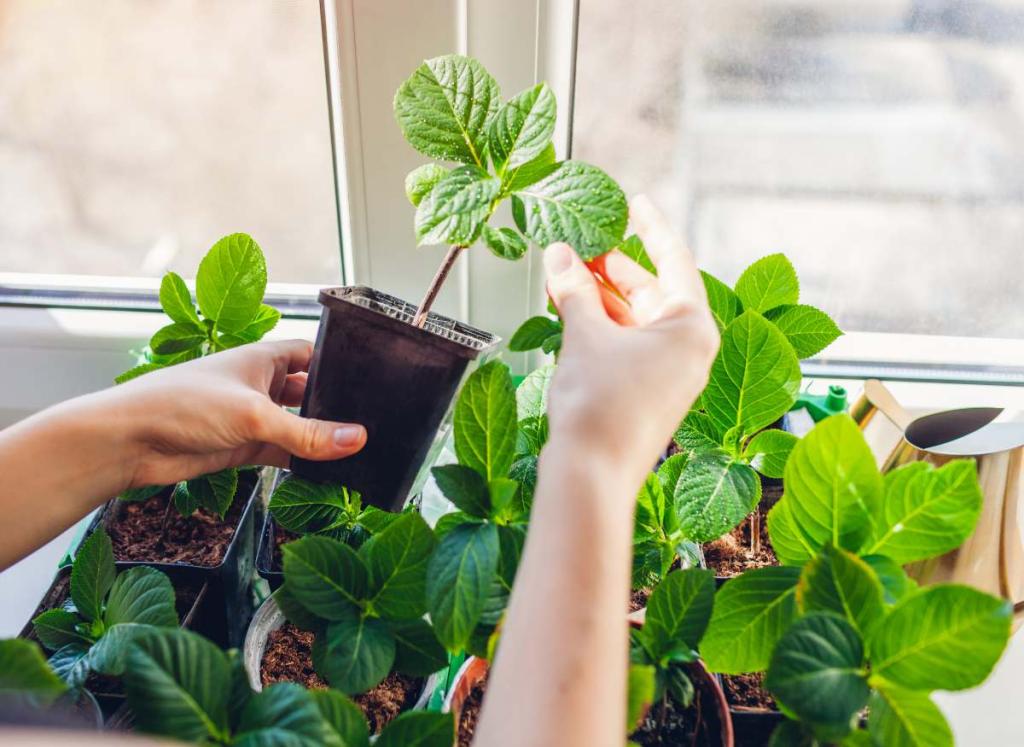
(600, 478)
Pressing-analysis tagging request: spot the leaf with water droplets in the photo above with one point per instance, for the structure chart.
(522, 127)
(458, 206)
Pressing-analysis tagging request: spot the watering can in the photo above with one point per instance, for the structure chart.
(992, 559)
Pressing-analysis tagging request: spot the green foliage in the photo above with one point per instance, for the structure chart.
(485, 421)
(533, 333)
(421, 180)
(840, 582)
(306, 507)
(25, 675)
(714, 493)
(767, 284)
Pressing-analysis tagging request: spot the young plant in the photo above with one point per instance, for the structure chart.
(26, 678)
(305, 507)
(658, 536)
(106, 610)
(450, 110)
(179, 685)
(230, 284)
(471, 572)
(365, 607)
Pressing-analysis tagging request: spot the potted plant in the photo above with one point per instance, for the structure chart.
(32, 694)
(395, 366)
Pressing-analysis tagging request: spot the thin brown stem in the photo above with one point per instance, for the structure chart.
(435, 285)
(755, 531)
(167, 516)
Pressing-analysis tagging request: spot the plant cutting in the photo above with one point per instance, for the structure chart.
(182, 686)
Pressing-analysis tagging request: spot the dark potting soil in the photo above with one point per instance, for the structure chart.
(201, 539)
(281, 537)
(670, 725)
(289, 658)
(471, 713)
(638, 599)
(731, 554)
(747, 691)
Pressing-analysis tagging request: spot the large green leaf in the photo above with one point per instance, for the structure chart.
(896, 584)
(176, 300)
(523, 176)
(751, 613)
(25, 673)
(905, 718)
(293, 609)
(418, 653)
(283, 715)
(791, 545)
(465, 487)
(419, 729)
(724, 303)
(698, 432)
(485, 421)
(343, 717)
(522, 127)
(576, 203)
(422, 179)
(455, 210)
(178, 685)
(533, 332)
(302, 506)
(325, 576)
(768, 451)
(633, 247)
(215, 491)
(397, 562)
(838, 581)
(926, 511)
(71, 664)
(833, 488)
(355, 653)
(714, 494)
(817, 672)
(532, 394)
(230, 283)
(141, 595)
(505, 243)
(265, 320)
(678, 612)
(769, 282)
(944, 637)
(177, 338)
(92, 574)
(444, 108)
(58, 627)
(755, 376)
(459, 577)
(110, 653)
(808, 329)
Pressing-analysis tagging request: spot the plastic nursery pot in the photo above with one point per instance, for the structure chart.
(265, 554)
(372, 366)
(472, 672)
(754, 726)
(225, 616)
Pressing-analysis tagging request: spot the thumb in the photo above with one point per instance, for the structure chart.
(572, 287)
(309, 438)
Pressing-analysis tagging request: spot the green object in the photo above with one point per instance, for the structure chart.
(821, 406)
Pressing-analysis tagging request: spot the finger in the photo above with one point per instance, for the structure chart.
(269, 455)
(677, 271)
(615, 307)
(293, 390)
(572, 287)
(638, 286)
(291, 355)
(310, 438)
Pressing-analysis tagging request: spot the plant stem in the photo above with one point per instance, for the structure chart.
(167, 515)
(435, 285)
(755, 531)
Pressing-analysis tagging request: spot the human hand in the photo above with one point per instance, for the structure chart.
(225, 410)
(637, 348)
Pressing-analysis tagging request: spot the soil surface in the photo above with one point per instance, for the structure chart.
(281, 537)
(747, 690)
(470, 713)
(138, 533)
(670, 725)
(289, 658)
(731, 554)
(638, 599)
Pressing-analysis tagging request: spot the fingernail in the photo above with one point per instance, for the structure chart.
(348, 435)
(557, 258)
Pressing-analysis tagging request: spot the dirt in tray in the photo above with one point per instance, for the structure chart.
(281, 537)
(471, 713)
(289, 658)
(638, 599)
(200, 539)
(747, 691)
(731, 554)
(668, 724)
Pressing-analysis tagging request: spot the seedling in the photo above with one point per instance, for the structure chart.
(230, 284)
(658, 535)
(450, 110)
(305, 507)
(105, 613)
(180, 685)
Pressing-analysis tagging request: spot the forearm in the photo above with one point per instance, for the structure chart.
(563, 653)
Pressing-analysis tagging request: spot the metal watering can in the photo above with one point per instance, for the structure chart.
(992, 559)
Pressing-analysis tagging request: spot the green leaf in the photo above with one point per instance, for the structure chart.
(793, 734)
(678, 611)
(418, 653)
(808, 329)
(768, 283)
(505, 243)
(71, 664)
(110, 653)
(325, 576)
(633, 247)
(944, 637)
(343, 717)
(176, 300)
(177, 337)
(817, 673)
(137, 371)
(768, 451)
(465, 487)
(25, 673)
(293, 609)
(751, 613)
(896, 584)
(698, 432)
(576, 203)
(214, 491)
(422, 180)
(419, 729)
(58, 627)
(725, 304)
(714, 494)
(265, 320)
(838, 581)
(522, 127)
(532, 394)
(833, 488)
(927, 511)
(639, 694)
(397, 562)
(523, 176)
(141, 595)
(445, 106)
(652, 508)
(533, 332)
(791, 545)
(305, 507)
(552, 345)
(755, 376)
(133, 495)
(904, 718)
(178, 684)
(355, 654)
(283, 715)
(456, 209)
(230, 283)
(459, 578)
(92, 574)
(184, 502)
(485, 421)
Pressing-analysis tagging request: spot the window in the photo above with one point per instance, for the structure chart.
(134, 134)
(878, 144)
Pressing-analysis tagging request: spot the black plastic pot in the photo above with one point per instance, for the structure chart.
(372, 366)
(229, 595)
(753, 727)
(265, 554)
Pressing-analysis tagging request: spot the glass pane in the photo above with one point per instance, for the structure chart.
(134, 134)
(878, 143)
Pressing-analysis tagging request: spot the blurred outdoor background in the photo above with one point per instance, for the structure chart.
(877, 142)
